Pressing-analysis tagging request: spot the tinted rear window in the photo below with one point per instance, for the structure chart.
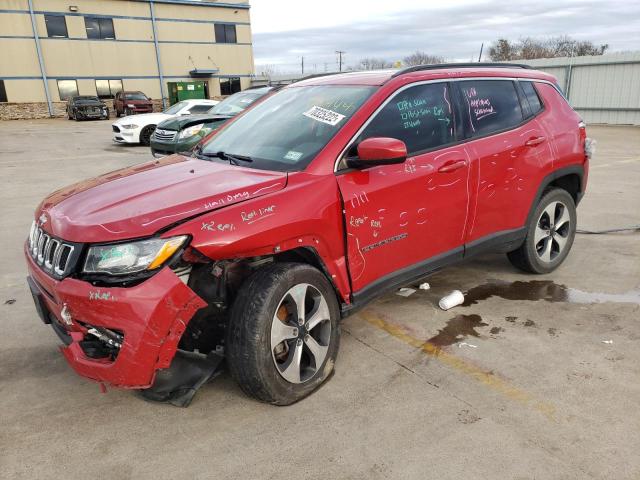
(491, 105)
(532, 97)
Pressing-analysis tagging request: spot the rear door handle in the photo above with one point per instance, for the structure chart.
(532, 142)
(452, 165)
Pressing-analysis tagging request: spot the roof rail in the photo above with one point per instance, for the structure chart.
(437, 66)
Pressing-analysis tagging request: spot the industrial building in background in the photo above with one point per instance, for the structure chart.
(168, 49)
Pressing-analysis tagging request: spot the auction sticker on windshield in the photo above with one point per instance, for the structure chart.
(323, 115)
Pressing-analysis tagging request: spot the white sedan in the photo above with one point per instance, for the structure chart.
(138, 128)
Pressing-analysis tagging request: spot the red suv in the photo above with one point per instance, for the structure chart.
(130, 103)
(297, 212)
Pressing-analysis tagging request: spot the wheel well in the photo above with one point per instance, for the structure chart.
(310, 256)
(570, 183)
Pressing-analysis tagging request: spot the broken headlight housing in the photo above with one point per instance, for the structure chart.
(132, 257)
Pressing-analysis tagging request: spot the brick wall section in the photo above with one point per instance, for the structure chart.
(27, 111)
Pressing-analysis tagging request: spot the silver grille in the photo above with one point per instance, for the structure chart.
(51, 254)
(164, 135)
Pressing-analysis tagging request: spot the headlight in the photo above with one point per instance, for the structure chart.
(129, 126)
(131, 105)
(191, 131)
(127, 258)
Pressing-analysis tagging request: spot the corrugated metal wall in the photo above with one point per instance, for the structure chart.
(603, 89)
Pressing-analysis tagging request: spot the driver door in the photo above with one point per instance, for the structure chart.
(405, 218)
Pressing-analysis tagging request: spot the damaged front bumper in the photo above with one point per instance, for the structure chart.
(147, 320)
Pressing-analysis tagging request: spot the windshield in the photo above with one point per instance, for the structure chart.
(235, 103)
(287, 130)
(135, 96)
(174, 109)
(85, 99)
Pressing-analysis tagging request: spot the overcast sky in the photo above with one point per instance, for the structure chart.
(285, 30)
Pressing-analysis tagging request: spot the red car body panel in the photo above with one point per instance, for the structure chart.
(363, 225)
(152, 316)
(141, 200)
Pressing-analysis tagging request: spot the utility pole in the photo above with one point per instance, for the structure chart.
(340, 53)
(302, 64)
(480, 56)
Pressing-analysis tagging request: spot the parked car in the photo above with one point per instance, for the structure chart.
(181, 134)
(139, 128)
(131, 103)
(323, 196)
(85, 107)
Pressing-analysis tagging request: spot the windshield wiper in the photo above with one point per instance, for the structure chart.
(233, 159)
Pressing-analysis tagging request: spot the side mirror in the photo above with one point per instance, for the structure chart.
(379, 151)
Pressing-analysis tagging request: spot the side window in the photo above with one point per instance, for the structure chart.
(532, 97)
(199, 108)
(56, 26)
(492, 106)
(67, 89)
(420, 116)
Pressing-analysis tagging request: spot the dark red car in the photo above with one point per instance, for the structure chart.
(327, 194)
(131, 103)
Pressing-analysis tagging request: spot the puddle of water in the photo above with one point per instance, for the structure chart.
(545, 290)
(458, 328)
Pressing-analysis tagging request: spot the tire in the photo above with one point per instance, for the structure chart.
(127, 112)
(145, 134)
(548, 239)
(266, 371)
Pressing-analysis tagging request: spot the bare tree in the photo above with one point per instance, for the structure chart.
(371, 63)
(267, 71)
(421, 58)
(528, 48)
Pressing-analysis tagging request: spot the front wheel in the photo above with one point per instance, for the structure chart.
(550, 234)
(145, 134)
(283, 334)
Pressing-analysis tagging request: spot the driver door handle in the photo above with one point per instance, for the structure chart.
(452, 166)
(532, 142)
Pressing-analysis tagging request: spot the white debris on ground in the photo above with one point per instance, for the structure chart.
(451, 300)
(465, 344)
(608, 342)
(424, 286)
(405, 292)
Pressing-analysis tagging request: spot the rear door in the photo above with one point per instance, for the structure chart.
(510, 153)
(400, 217)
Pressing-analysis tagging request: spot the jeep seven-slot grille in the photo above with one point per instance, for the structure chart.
(52, 255)
(164, 135)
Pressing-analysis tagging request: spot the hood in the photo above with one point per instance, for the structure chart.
(140, 200)
(183, 121)
(143, 118)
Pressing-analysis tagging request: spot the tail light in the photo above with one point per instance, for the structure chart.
(589, 144)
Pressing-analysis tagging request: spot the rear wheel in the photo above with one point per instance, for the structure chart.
(283, 334)
(550, 234)
(145, 134)
(127, 112)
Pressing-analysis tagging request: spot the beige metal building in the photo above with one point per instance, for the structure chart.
(50, 49)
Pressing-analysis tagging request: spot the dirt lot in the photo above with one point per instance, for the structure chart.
(538, 377)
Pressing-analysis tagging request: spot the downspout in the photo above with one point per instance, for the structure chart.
(155, 43)
(40, 59)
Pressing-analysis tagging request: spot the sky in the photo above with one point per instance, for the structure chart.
(286, 30)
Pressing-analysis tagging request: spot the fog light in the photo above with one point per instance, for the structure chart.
(66, 315)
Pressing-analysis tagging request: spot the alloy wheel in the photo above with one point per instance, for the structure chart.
(552, 231)
(300, 333)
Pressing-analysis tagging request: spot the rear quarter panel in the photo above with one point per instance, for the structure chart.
(560, 123)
